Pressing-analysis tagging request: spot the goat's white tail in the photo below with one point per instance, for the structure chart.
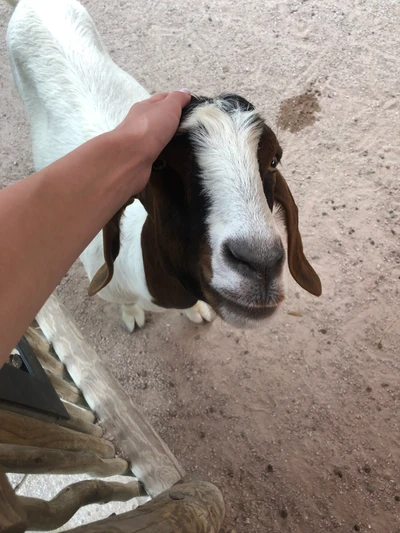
(12, 2)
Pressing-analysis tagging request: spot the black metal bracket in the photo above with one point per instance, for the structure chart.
(27, 385)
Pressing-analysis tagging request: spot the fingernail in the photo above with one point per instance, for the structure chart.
(187, 91)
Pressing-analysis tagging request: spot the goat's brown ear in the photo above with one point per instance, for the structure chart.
(111, 247)
(299, 267)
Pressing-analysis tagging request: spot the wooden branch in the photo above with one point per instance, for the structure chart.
(46, 516)
(79, 412)
(55, 370)
(66, 390)
(188, 508)
(18, 459)
(41, 349)
(152, 461)
(12, 517)
(19, 429)
(76, 424)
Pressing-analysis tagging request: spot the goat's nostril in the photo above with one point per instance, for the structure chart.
(239, 256)
(280, 256)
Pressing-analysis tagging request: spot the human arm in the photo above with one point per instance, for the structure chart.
(47, 219)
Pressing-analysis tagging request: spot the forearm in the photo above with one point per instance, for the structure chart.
(47, 220)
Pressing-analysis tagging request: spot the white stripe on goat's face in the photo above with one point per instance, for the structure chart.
(247, 255)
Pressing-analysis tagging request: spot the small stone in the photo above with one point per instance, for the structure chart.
(230, 471)
(397, 498)
(356, 527)
(284, 513)
(338, 472)
(371, 488)
(367, 469)
(270, 468)
(323, 331)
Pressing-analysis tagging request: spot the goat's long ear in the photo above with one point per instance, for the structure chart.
(299, 267)
(111, 247)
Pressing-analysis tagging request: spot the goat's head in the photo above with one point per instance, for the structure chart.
(211, 227)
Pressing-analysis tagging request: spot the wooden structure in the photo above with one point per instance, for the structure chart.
(34, 442)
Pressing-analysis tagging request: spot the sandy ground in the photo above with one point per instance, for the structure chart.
(297, 422)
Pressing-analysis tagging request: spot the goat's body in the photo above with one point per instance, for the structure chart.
(73, 91)
(211, 233)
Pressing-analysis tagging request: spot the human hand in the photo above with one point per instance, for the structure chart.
(147, 129)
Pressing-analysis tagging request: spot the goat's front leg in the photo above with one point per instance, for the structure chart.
(200, 312)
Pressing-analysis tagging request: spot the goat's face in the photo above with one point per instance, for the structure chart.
(210, 201)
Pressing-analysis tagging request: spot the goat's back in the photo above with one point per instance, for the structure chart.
(71, 88)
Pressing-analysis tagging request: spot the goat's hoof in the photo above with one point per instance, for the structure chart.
(201, 312)
(132, 315)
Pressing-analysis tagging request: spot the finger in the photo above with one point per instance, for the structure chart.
(180, 97)
(157, 97)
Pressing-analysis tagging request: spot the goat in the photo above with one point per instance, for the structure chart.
(202, 236)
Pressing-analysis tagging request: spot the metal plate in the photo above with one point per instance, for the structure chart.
(27, 384)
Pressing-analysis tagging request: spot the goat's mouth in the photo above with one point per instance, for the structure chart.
(240, 314)
(246, 306)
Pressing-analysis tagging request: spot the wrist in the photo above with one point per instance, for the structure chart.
(126, 161)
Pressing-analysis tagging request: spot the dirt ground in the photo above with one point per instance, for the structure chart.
(297, 422)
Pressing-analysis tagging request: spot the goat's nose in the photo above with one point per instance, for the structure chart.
(255, 261)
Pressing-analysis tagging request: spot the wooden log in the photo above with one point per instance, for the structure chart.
(19, 459)
(12, 516)
(76, 424)
(41, 349)
(48, 515)
(55, 369)
(187, 508)
(19, 429)
(66, 390)
(78, 411)
(152, 461)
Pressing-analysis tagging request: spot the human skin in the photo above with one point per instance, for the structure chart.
(48, 218)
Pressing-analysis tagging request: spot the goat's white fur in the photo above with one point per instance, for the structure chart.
(226, 149)
(73, 91)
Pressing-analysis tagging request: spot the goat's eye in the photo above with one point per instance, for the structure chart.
(274, 163)
(159, 164)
